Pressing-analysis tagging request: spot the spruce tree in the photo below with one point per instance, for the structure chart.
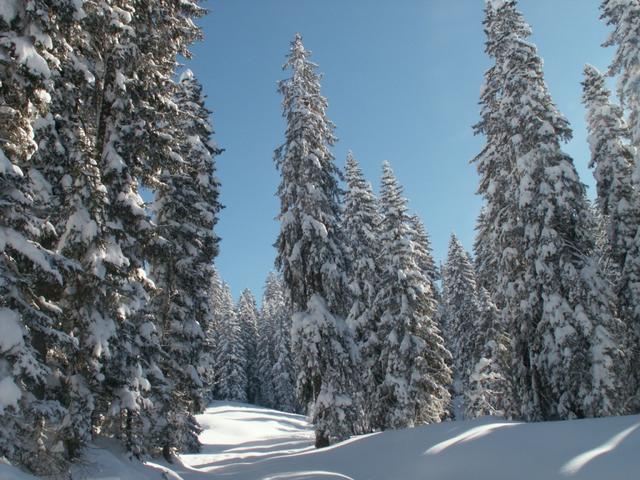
(460, 317)
(424, 253)
(565, 334)
(276, 313)
(311, 251)
(272, 336)
(247, 317)
(612, 160)
(212, 333)
(413, 360)
(498, 228)
(122, 396)
(31, 275)
(186, 208)
(624, 18)
(618, 205)
(360, 223)
(265, 355)
(487, 390)
(131, 53)
(105, 72)
(231, 370)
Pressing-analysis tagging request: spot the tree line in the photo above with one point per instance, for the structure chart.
(541, 325)
(104, 298)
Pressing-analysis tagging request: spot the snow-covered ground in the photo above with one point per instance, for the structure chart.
(244, 442)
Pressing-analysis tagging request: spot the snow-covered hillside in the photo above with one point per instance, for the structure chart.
(244, 442)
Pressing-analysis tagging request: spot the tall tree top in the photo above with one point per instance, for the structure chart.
(360, 210)
(310, 248)
(392, 205)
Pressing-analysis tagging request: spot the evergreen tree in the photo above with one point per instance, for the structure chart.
(122, 394)
(413, 358)
(460, 317)
(360, 223)
(247, 317)
(424, 253)
(78, 213)
(624, 18)
(618, 205)
(212, 332)
(186, 208)
(311, 250)
(131, 53)
(280, 372)
(487, 389)
(612, 160)
(105, 72)
(498, 227)
(230, 356)
(565, 335)
(265, 356)
(31, 275)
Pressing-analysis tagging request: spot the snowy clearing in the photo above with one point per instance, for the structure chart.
(244, 442)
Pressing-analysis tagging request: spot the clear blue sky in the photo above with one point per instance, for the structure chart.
(402, 78)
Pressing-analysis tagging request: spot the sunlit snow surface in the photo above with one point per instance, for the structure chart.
(243, 442)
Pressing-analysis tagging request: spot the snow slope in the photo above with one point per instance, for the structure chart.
(243, 442)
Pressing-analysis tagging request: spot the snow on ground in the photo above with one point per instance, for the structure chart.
(244, 442)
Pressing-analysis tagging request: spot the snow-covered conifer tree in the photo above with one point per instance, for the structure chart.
(424, 253)
(566, 337)
(131, 52)
(33, 340)
(186, 208)
(487, 390)
(476, 338)
(360, 223)
(413, 360)
(231, 370)
(311, 250)
(460, 316)
(265, 360)
(212, 332)
(624, 18)
(106, 70)
(498, 228)
(247, 317)
(279, 372)
(612, 158)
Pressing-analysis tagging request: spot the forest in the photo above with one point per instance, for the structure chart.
(115, 322)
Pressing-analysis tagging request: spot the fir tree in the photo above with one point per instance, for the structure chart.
(424, 253)
(618, 207)
(565, 335)
(612, 160)
(487, 390)
(280, 372)
(186, 208)
(413, 358)
(132, 53)
(498, 228)
(265, 356)
(460, 316)
(78, 213)
(624, 18)
(247, 317)
(311, 250)
(31, 276)
(360, 223)
(230, 356)
(212, 332)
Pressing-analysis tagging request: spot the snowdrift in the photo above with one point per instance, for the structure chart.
(244, 442)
